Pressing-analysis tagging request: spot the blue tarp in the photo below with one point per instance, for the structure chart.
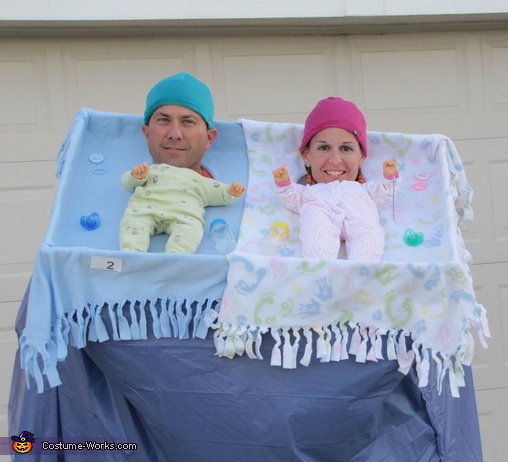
(180, 403)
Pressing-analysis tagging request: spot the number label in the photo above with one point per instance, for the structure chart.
(106, 263)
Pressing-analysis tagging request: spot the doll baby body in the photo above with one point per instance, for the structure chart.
(169, 200)
(339, 210)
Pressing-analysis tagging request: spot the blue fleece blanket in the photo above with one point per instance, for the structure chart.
(80, 274)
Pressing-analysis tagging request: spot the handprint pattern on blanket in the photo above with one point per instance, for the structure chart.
(422, 291)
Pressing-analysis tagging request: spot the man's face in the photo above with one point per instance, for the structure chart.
(178, 136)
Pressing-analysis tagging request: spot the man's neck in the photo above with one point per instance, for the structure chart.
(205, 172)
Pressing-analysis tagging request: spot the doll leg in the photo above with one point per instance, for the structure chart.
(320, 231)
(184, 237)
(135, 232)
(367, 245)
(365, 239)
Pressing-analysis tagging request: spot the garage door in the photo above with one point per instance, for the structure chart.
(451, 83)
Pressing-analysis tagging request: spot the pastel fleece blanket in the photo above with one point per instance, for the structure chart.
(418, 299)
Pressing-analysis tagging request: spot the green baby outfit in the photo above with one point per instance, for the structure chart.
(169, 200)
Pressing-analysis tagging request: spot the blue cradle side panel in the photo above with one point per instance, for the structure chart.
(119, 140)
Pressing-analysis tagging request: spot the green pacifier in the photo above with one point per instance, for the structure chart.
(412, 238)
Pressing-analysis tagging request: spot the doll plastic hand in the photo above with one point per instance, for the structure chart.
(236, 189)
(281, 174)
(140, 171)
(390, 168)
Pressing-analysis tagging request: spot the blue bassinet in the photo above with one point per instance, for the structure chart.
(149, 335)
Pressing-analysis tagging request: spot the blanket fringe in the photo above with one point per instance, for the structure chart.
(170, 318)
(337, 342)
(128, 321)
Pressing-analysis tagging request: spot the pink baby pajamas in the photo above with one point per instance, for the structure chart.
(340, 210)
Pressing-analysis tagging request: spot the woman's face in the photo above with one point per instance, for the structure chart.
(333, 154)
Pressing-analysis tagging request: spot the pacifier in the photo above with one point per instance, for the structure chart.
(90, 222)
(96, 159)
(422, 177)
(412, 238)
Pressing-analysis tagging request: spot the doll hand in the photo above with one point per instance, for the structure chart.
(390, 168)
(281, 174)
(140, 171)
(236, 189)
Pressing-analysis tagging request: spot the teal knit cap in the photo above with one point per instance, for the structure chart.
(182, 90)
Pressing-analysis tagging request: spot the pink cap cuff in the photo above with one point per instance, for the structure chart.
(391, 177)
(284, 183)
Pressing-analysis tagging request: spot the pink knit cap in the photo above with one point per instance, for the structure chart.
(339, 113)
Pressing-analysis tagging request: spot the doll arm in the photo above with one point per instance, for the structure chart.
(236, 189)
(130, 182)
(281, 175)
(140, 172)
(290, 194)
(383, 191)
(390, 169)
(214, 192)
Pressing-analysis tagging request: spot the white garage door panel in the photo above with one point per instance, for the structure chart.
(275, 70)
(493, 416)
(426, 74)
(264, 81)
(33, 174)
(426, 77)
(25, 104)
(12, 285)
(108, 76)
(18, 92)
(495, 60)
(486, 164)
(490, 365)
(499, 176)
(420, 83)
(416, 86)
(21, 236)
(450, 83)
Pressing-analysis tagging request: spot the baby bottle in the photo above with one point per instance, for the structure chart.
(274, 238)
(222, 237)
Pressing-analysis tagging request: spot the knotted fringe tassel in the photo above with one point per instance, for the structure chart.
(170, 319)
(333, 343)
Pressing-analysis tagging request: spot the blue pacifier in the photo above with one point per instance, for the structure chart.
(90, 222)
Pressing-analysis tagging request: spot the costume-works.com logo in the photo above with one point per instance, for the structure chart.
(23, 443)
